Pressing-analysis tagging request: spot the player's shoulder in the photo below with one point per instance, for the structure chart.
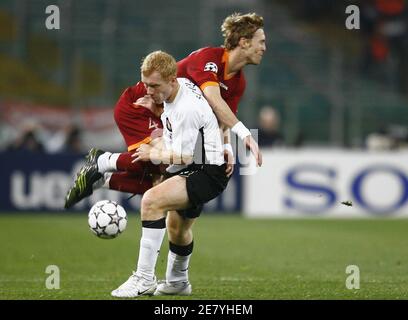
(214, 53)
(193, 97)
(185, 82)
(213, 50)
(190, 90)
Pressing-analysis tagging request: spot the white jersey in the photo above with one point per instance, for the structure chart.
(191, 127)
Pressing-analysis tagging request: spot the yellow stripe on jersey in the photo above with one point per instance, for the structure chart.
(209, 83)
(137, 145)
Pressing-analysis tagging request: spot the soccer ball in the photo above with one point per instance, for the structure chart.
(107, 219)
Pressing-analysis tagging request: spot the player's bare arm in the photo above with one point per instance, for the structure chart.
(228, 152)
(221, 109)
(157, 154)
(228, 119)
(157, 142)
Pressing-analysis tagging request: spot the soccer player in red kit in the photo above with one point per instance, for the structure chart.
(138, 119)
(218, 71)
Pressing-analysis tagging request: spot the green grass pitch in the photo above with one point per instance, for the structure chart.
(234, 258)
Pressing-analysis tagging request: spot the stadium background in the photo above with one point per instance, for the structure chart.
(341, 96)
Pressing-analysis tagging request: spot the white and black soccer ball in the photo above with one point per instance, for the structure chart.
(107, 219)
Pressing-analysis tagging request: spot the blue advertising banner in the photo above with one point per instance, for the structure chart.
(39, 182)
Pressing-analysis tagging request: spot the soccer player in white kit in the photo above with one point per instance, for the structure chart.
(192, 146)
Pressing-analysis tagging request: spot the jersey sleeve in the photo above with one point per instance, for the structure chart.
(203, 67)
(125, 97)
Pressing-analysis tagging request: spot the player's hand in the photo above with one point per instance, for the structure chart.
(142, 153)
(229, 160)
(148, 103)
(251, 144)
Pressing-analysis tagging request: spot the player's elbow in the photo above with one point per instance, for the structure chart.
(186, 159)
(181, 159)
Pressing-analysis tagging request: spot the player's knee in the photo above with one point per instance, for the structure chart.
(150, 206)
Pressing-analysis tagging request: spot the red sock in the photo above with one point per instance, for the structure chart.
(127, 182)
(124, 163)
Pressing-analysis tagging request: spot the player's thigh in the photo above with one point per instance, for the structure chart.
(171, 194)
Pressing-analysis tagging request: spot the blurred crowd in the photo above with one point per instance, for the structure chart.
(384, 38)
(33, 138)
(269, 127)
(392, 137)
(384, 26)
(384, 35)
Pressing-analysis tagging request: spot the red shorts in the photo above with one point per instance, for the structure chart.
(137, 125)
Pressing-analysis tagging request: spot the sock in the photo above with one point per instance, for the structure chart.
(124, 163)
(177, 262)
(150, 243)
(107, 162)
(102, 183)
(127, 182)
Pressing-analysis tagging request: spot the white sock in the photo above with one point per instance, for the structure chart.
(150, 244)
(177, 267)
(104, 182)
(107, 162)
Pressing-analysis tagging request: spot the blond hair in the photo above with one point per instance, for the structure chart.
(237, 26)
(161, 62)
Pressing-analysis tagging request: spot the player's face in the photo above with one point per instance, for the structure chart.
(158, 88)
(257, 47)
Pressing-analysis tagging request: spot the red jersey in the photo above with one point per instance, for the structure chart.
(136, 123)
(205, 67)
(208, 66)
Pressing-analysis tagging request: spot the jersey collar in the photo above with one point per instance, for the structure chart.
(225, 60)
(177, 97)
